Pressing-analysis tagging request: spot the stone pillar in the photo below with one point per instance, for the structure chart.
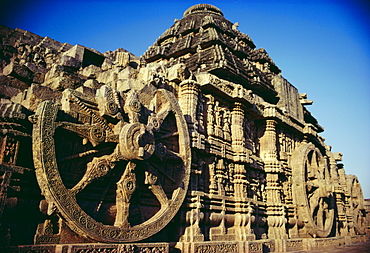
(243, 219)
(237, 133)
(240, 182)
(220, 177)
(193, 232)
(275, 209)
(268, 149)
(210, 115)
(218, 120)
(188, 100)
(212, 177)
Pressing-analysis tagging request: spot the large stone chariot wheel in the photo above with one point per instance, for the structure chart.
(356, 205)
(312, 190)
(115, 166)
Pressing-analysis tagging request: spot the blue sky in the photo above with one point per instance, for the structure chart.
(321, 46)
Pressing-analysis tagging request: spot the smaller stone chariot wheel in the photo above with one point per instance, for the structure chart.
(312, 190)
(356, 205)
(116, 170)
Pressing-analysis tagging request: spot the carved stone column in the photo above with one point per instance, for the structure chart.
(243, 219)
(240, 182)
(237, 133)
(210, 115)
(212, 177)
(275, 209)
(220, 177)
(219, 232)
(189, 103)
(188, 100)
(193, 232)
(268, 149)
(218, 120)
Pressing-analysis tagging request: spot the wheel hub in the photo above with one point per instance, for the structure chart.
(136, 142)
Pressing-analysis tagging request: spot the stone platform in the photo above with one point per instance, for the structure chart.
(256, 246)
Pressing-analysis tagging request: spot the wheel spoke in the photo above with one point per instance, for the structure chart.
(98, 168)
(94, 133)
(162, 113)
(80, 129)
(159, 193)
(151, 180)
(125, 188)
(157, 168)
(320, 215)
(167, 136)
(174, 155)
(79, 155)
(163, 153)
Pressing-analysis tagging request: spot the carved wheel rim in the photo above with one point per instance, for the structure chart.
(312, 190)
(146, 169)
(356, 208)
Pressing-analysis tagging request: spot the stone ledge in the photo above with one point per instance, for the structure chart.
(85, 248)
(255, 246)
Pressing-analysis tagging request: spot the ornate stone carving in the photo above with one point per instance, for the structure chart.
(356, 209)
(314, 197)
(154, 153)
(201, 142)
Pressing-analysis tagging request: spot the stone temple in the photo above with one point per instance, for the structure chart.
(199, 145)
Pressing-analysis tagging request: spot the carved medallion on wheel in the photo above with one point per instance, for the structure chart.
(116, 166)
(312, 190)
